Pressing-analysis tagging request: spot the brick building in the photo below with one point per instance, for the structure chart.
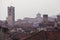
(11, 16)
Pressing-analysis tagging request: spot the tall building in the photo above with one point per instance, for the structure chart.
(11, 16)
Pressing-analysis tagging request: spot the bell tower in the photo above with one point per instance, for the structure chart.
(11, 16)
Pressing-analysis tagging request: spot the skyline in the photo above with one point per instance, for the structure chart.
(29, 8)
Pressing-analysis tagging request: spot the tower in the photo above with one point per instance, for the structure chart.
(58, 19)
(45, 18)
(11, 16)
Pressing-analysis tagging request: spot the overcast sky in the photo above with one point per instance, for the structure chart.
(29, 8)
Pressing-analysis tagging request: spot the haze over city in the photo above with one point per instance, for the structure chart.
(29, 8)
(29, 19)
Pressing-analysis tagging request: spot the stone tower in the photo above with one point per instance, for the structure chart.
(58, 19)
(11, 16)
(45, 18)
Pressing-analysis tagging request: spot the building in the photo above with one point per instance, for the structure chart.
(11, 16)
(4, 33)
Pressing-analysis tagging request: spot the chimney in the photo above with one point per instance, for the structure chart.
(45, 18)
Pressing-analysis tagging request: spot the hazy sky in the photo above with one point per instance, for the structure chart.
(29, 8)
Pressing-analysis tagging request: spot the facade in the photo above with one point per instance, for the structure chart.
(11, 16)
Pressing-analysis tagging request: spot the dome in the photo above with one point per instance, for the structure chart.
(38, 14)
